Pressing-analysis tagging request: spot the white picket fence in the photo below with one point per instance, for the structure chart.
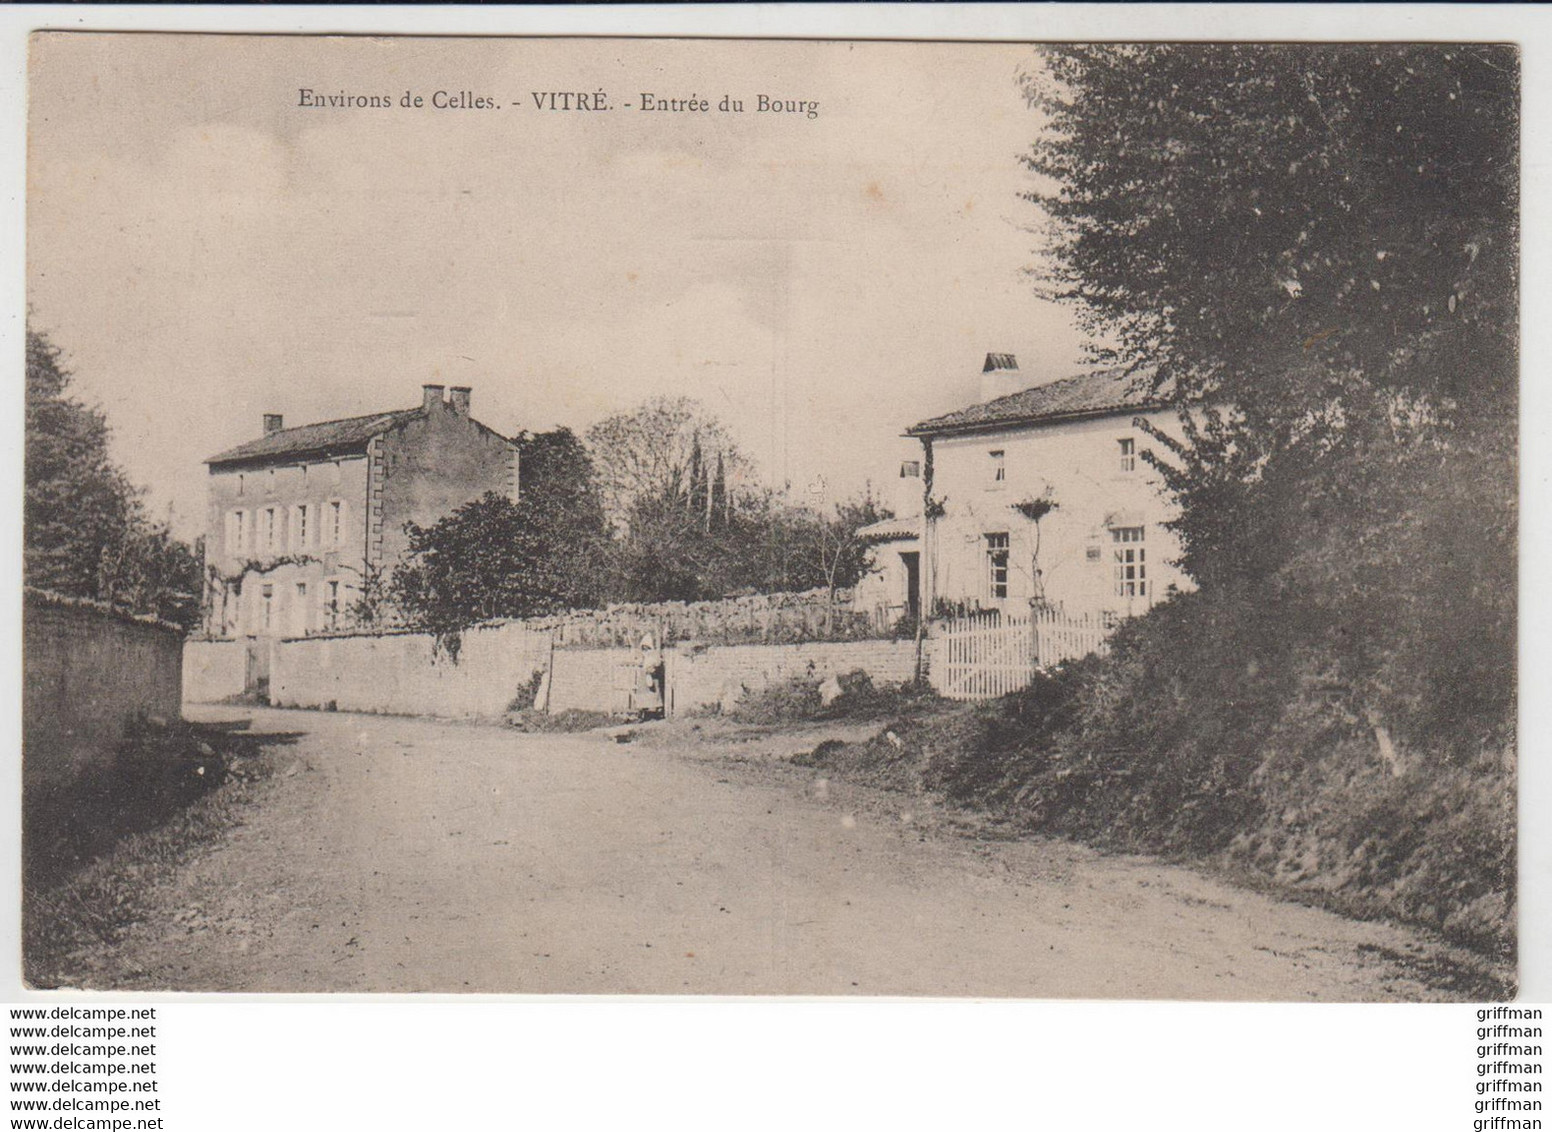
(1063, 636)
(987, 655)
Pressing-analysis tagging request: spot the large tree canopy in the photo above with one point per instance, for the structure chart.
(690, 525)
(78, 502)
(1235, 213)
(667, 451)
(86, 532)
(1321, 242)
(759, 542)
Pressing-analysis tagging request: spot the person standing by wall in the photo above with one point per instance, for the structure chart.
(648, 699)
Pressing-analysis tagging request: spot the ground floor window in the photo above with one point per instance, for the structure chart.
(997, 564)
(1131, 566)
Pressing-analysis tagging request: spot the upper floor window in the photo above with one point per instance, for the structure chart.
(910, 469)
(997, 564)
(1128, 454)
(237, 532)
(999, 460)
(269, 528)
(241, 482)
(301, 533)
(1131, 566)
(334, 522)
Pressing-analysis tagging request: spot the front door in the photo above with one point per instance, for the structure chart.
(256, 670)
(912, 561)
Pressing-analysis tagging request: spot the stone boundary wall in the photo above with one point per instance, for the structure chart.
(213, 670)
(715, 652)
(87, 671)
(713, 678)
(783, 618)
(407, 674)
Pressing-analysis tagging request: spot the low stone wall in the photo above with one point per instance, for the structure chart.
(713, 677)
(213, 670)
(87, 671)
(406, 674)
(780, 618)
(595, 656)
(716, 676)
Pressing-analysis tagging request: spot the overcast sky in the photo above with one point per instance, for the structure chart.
(205, 250)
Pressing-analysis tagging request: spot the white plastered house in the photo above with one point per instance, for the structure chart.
(1037, 495)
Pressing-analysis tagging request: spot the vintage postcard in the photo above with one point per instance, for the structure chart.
(731, 517)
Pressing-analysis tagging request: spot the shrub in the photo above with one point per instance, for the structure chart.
(798, 699)
(527, 693)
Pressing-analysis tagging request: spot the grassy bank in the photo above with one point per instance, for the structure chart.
(91, 855)
(1236, 755)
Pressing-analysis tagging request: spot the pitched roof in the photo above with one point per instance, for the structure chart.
(1088, 394)
(326, 436)
(889, 530)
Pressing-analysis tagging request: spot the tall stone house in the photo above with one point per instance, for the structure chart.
(1033, 495)
(302, 519)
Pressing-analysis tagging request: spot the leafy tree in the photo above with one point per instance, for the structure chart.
(1223, 212)
(685, 532)
(664, 553)
(682, 533)
(495, 558)
(670, 552)
(831, 554)
(86, 531)
(79, 504)
(152, 571)
(1321, 243)
(657, 452)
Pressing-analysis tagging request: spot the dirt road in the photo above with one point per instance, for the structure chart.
(408, 855)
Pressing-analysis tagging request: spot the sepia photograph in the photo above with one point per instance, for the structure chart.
(729, 517)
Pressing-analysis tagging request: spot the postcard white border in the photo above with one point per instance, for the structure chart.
(1527, 26)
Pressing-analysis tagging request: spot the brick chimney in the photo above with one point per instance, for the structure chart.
(458, 398)
(431, 397)
(273, 422)
(1000, 376)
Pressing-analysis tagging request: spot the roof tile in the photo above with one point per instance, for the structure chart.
(1094, 393)
(324, 436)
(886, 530)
